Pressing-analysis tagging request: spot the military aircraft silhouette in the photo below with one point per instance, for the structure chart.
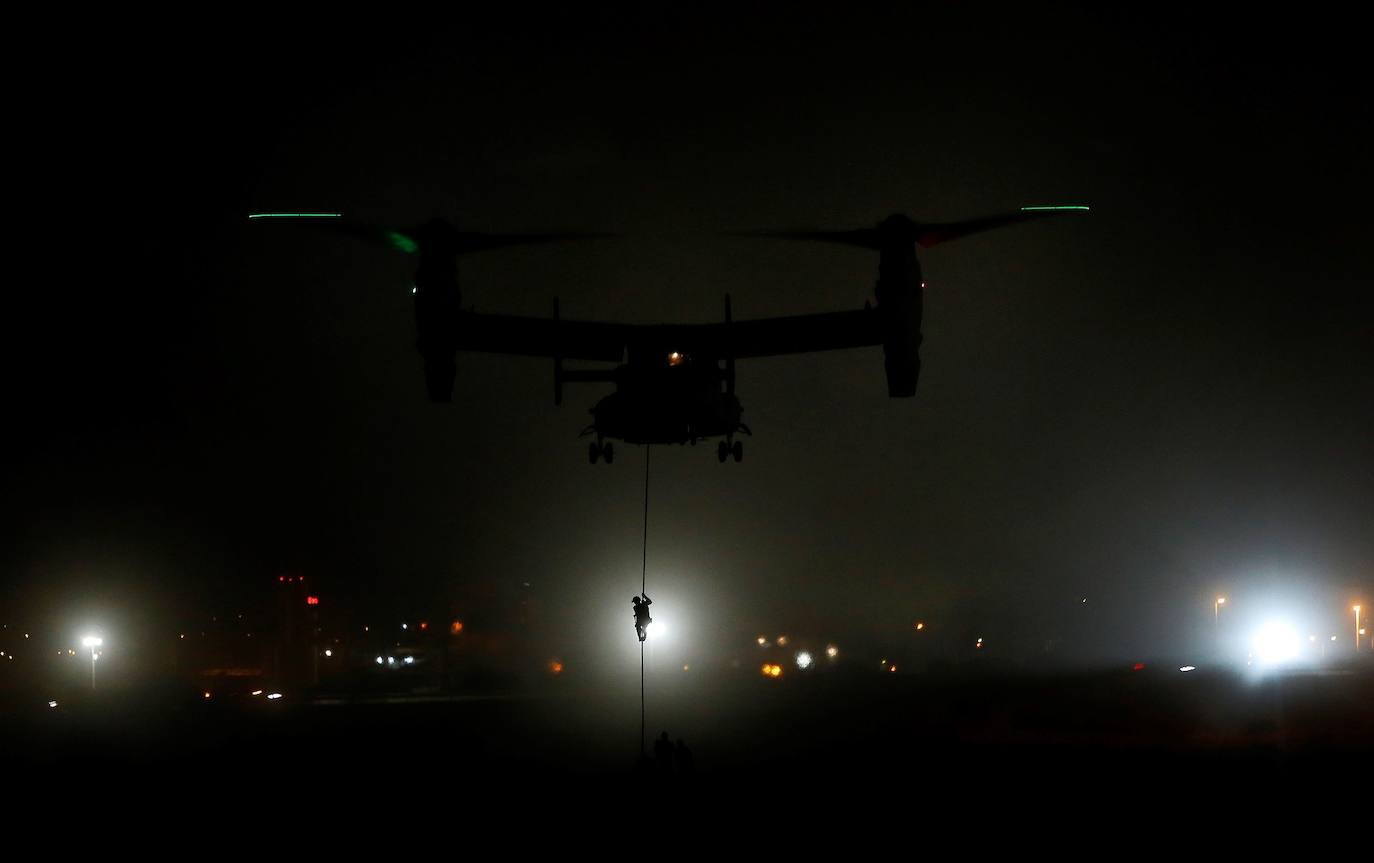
(674, 383)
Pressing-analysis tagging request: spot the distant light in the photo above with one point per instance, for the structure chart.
(771, 669)
(256, 692)
(455, 627)
(274, 696)
(920, 625)
(312, 600)
(1068, 207)
(1221, 600)
(803, 660)
(1333, 638)
(832, 651)
(379, 660)
(892, 669)
(1085, 599)
(328, 652)
(556, 667)
(686, 668)
(295, 215)
(1187, 668)
(675, 359)
(424, 625)
(405, 626)
(206, 694)
(409, 660)
(89, 641)
(782, 640)
(52, 703)
(414, 290)
(391, 660)
(1139, 666)
(763, 642)
(1275, 643)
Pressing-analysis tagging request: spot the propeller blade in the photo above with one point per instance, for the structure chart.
(335, 223)
(470, 241)
(866, 238)
(435, 235)
(934, 233)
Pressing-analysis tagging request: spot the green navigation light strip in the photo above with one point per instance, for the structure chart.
(295, 215)
(1070, 207)
(402, 242)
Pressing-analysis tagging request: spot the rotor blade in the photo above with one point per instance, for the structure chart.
(934, 233)
(866, 238)
(335, 223)
(470, 241)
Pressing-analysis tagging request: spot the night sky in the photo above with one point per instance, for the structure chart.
(1165, 399)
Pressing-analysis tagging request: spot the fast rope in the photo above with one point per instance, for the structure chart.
(643, 588)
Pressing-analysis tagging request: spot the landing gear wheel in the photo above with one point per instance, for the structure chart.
(593, 452)
(738, 451)
(609, 452)
(722, 451)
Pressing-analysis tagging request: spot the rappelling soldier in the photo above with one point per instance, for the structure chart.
(642, 618)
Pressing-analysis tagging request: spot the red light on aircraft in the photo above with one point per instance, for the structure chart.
(312, 600)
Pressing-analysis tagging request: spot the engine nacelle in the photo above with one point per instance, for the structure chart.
(902, 362)
(900, 299)
(438, 303)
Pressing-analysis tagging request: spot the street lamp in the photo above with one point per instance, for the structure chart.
(92, 641)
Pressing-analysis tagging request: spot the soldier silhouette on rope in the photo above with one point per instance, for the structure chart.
(642, 618)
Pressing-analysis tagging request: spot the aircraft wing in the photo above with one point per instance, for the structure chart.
(543, 337)
(799, 334)
(608, 342)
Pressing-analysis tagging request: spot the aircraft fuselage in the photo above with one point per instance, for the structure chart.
(659, 404)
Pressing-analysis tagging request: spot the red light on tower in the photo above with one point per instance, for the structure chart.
(312, 600)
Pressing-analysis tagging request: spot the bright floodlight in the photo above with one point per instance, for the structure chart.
(92, 641)
(655, 630)
(832, 651)
(1276, 643)
(1187, 668)
(803, 660)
